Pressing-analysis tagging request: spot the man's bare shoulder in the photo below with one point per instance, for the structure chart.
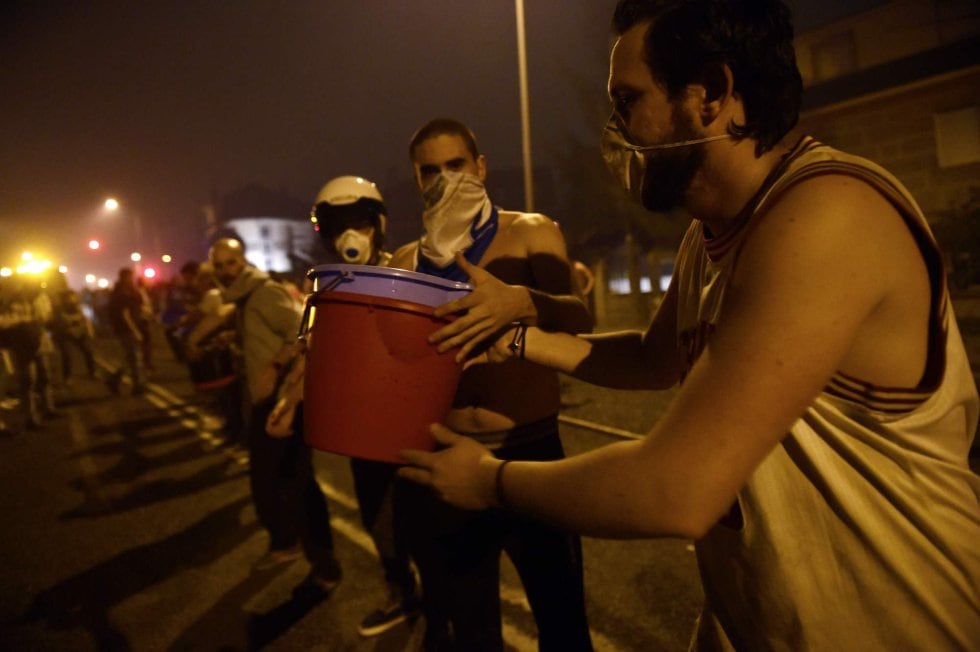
(404, 256)
(530, 221)
(835, 210)
(536, 231)
(834, 244)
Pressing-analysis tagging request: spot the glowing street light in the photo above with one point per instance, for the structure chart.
(90, 278)
(166, 258)
(149, 272)
(112, 205)
(135, 257)
(63, 269)
(6, 271)
(103, 283)
(94, 244)
(34, 266)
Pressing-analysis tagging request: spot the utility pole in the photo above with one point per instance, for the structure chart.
(525, 109)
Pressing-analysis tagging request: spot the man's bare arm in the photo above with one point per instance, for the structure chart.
(621, 360)
(493, 304)
(207, 325)
(556, 304)
(808, 283)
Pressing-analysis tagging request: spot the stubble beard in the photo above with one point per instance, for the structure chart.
(669, 172)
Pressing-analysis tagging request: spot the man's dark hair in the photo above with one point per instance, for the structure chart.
(689, 40)
(440, 127)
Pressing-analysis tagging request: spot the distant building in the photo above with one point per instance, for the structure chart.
(275, 244)
(900, 84)
(274, 227)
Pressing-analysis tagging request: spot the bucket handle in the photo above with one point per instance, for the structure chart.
(345, 276)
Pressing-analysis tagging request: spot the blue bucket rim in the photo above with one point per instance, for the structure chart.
(388, 273)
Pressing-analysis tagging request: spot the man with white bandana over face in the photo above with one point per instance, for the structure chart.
(510, 408)
(817, 448)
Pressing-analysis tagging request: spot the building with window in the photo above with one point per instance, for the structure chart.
(900, 84)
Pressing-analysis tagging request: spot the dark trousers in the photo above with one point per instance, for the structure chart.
(458, 556)
(288, 500)
(385, 519)
(66, 342)
(30, 371)
(229, 402)
(133, 354)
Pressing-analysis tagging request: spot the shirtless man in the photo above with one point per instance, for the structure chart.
(510, 408)
(817, 449)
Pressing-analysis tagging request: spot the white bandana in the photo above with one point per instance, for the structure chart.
(456, 205)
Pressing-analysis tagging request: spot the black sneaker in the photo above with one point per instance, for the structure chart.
(316, 586)
(277, 557)
(390, 615)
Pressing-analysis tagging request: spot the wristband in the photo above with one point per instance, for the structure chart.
(498, 485)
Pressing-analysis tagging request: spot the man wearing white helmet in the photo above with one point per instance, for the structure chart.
(349, 214)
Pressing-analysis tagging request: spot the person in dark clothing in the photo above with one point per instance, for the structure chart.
(73, 330)
(288, 500)
(350, 216)
(125, 311)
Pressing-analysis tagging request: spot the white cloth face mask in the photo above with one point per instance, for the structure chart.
(354, 246)
(456, 203)
(627, 161)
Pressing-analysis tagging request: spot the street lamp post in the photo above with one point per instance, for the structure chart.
(112, 205)
(525, 108)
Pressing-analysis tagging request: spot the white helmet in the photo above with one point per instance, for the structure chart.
(347, 190)
(350, 203)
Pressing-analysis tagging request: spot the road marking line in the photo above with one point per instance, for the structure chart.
(174, 400)
(598, 427)
(338, 496)
(516, 638)
(355, 533)
(516, 597)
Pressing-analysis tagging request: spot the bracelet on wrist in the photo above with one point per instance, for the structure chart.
(516, 345)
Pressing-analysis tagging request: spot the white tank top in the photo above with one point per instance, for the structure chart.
(861, 530)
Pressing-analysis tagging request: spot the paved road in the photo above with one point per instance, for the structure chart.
(127, 528)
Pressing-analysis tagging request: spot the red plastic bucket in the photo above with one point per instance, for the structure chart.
(373, 383)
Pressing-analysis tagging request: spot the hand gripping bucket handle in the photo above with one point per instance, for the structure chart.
(345, 276)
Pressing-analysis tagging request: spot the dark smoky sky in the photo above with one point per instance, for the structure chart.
(166, 104)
